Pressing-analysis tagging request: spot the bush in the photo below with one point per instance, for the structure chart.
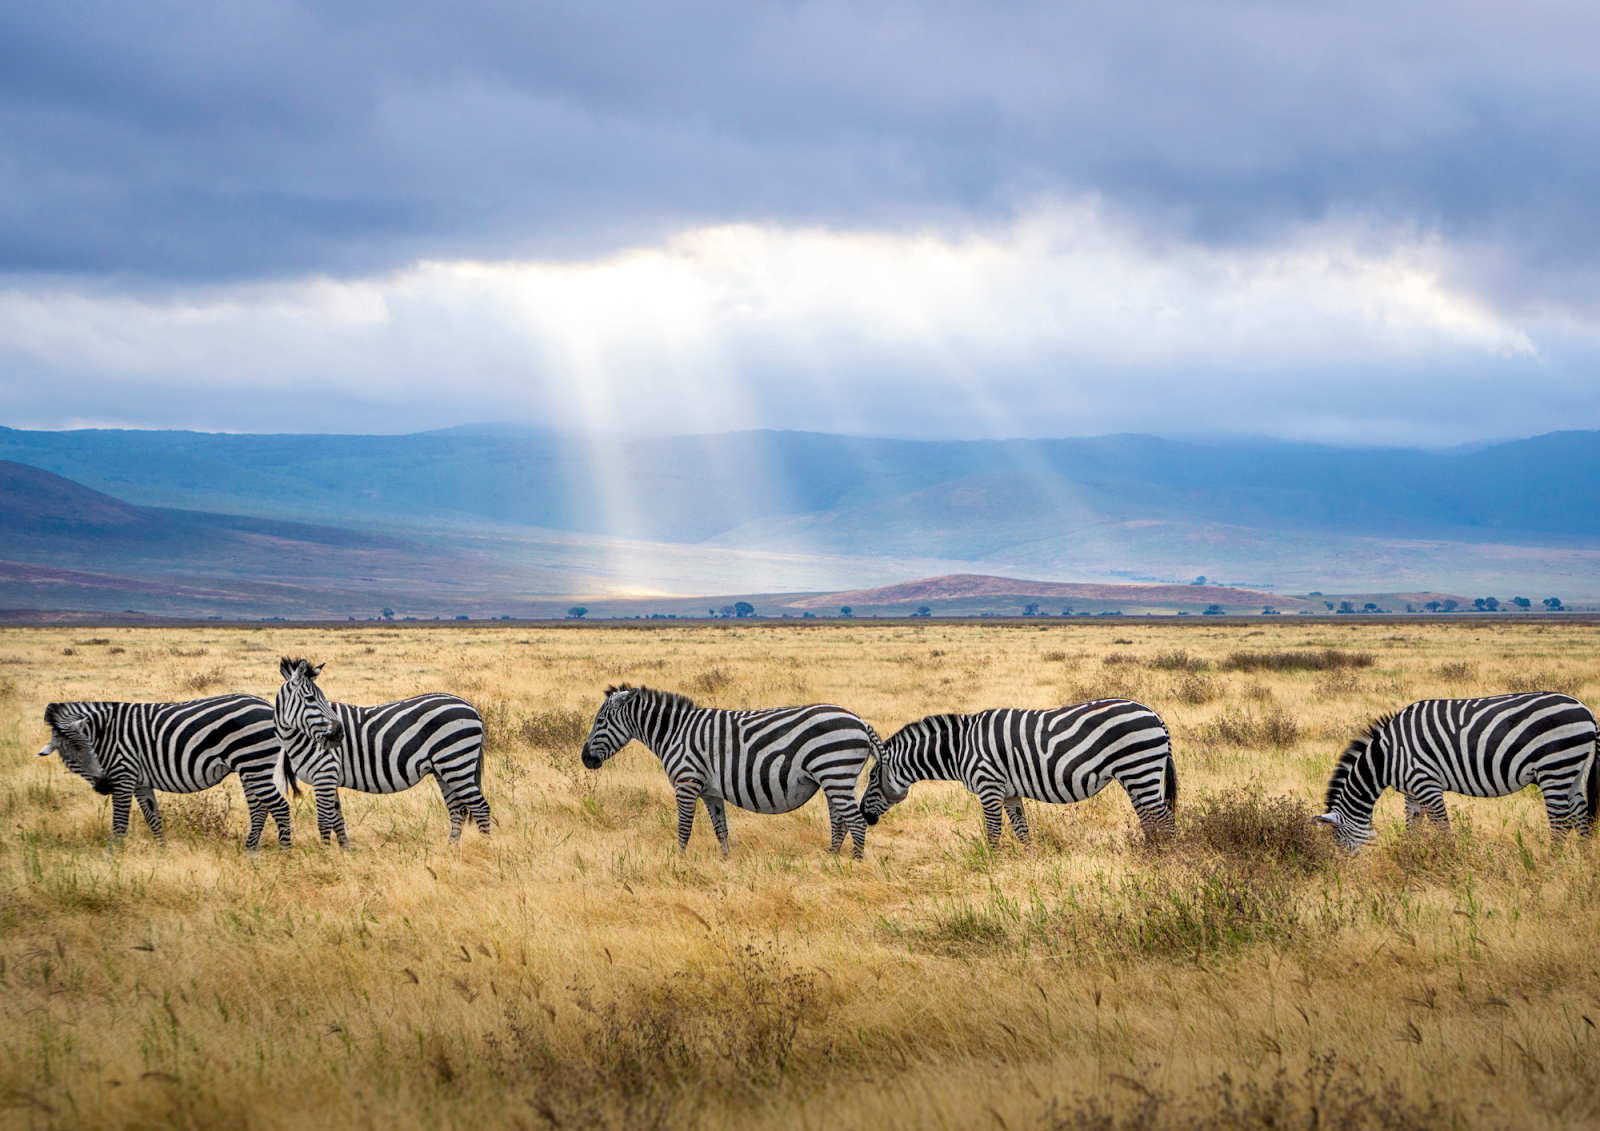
(1318, 660)
(1235, 727)
(1546, 679)
(1250, 829)
(556, 729)
(1195, 690)
(1458, 670)
(1179, 661)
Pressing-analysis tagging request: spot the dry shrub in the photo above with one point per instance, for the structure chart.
(654, 1056)
(203, 681)
(1236, 727)
(1194, 689)
(1337, 681)
(8, 687)
(1114, 658)
(207, 815)
(69, 652)
(498, 730)
(190, 654)
(1458, 671)
(1178, 661)
(1250, 829)
(557, 729)
(94, 640)
(1546, 679)
(1310, 660)
(1328, 1095)
(1054, 657)
(710, 681)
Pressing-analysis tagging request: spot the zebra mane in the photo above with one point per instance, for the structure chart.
(1353, 753)
(669, 698)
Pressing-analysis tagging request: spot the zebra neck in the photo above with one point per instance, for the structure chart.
(657, 724)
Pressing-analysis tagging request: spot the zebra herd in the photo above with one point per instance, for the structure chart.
(775, 760)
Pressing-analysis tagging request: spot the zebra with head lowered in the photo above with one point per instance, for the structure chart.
(767, 761)
(130, 750)
(382, 749)
(1486, 747)
(1058, 755)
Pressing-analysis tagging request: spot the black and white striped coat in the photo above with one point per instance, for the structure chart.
(1486, 747)
(769, 761)
(130, 750)
(382, 749)
(1061, 754)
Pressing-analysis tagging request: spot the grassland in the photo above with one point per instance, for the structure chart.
(575, 970)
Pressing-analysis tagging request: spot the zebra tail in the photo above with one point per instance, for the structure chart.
(1170, 795)
(289, 782)
(1591, 789)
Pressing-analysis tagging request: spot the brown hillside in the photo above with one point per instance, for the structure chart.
(969, 585)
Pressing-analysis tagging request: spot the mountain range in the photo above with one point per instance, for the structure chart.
(491, 516)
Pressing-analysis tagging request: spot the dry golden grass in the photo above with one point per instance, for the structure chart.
(576, 970)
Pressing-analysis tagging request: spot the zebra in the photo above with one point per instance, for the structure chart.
(767, 761)
(130, 750)
(1487, 747)
(1059, 755)
(382, 749)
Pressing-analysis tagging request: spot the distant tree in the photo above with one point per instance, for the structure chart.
(743, 609)
(462, 616)
(1553, 604)
(1213, 611)
(1451, 605)
(923, 611)
(1479, 604)
(1269, 611)
(388, 614)
(845, 611)
(1067, 612)
(1314, 593)
(1347, 606)
(1491, 604)
(577, 611)
(1433, 606)
(1030, 610)
(1522, 602)
(1201, 580)
(1370, 607)
(1328, 605)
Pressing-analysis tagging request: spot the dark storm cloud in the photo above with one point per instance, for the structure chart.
(247, 139)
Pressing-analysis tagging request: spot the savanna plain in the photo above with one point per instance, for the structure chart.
(575, 970)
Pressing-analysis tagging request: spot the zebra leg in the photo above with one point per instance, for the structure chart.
(1558, 806)
(121, 804)
(1019, 822)
(687, 796)
(844, 814)
(330, 815)
(717, 810)
(278, 806)
(991, 818)
(147, 805)
(453, 806)
(479, 808)
(1431, 801)
(1413, 811)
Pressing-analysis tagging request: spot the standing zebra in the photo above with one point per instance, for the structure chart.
(133, 749)
(769, 761)
(1480, 747)
(1059, 755)
(382, 749)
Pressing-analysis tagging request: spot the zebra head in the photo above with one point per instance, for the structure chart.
(72, 735)
(302, 708)
(1353, 789)
(613, 726)
(888, 781)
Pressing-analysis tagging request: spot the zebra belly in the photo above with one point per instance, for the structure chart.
(208, 773)
(780, 798)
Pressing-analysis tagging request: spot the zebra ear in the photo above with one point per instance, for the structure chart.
(285, 667)
(1329, 817)
(314, 672)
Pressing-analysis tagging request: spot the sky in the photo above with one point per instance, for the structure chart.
(1357, 223)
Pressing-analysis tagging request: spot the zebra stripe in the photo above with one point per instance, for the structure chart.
(770, 761)
(1059, 755)
(1487, 747)
(382, 749)
(130, 750)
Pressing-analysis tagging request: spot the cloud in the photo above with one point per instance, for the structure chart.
(1065, 322)
(278, 139)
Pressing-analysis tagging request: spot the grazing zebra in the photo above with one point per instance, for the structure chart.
(383, 749)
(1480, 747)
(133, 749)
(1061, 754)
(769, 761)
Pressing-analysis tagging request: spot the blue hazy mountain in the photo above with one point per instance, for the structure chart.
(757, 511)
(693, 488)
